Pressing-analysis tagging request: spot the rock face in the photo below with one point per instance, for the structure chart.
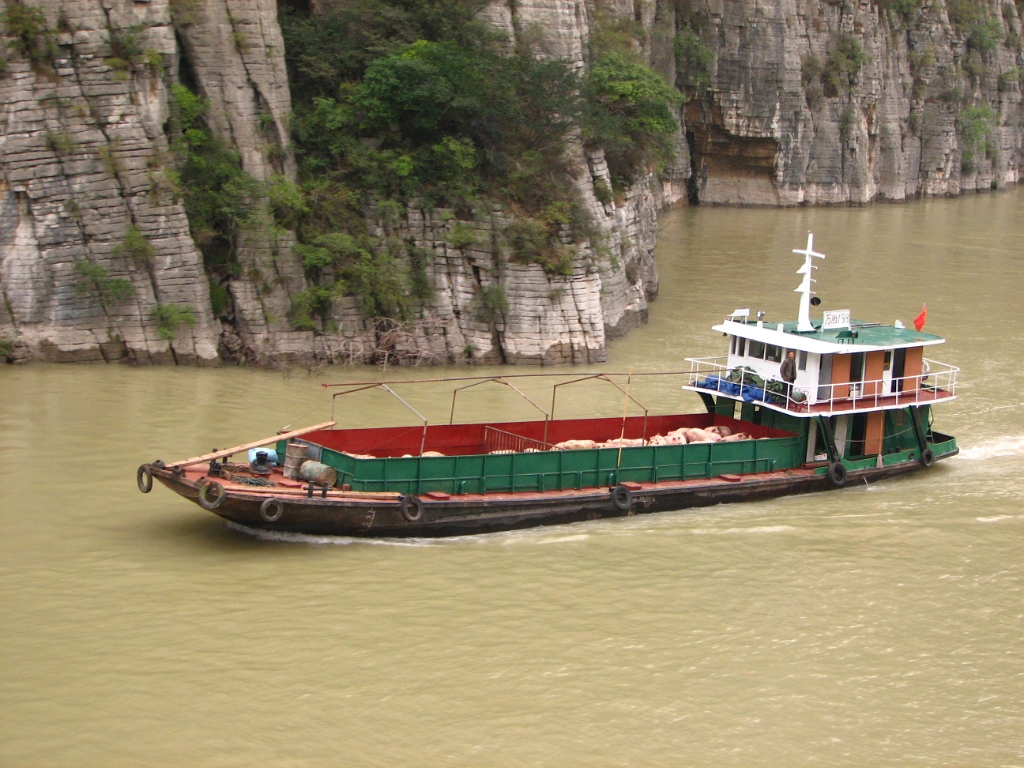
(793, 102)
(96, 260)
(790, 116)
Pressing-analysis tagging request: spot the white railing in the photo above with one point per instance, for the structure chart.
(936, 382)
(499, 441)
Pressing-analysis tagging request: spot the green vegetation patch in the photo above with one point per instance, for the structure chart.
(904, 8)
(30, 33)
(693, 58)
(92, 278)
(493, 304)
(219, 197)
(976, 124)
(170, 318)
(400, 103)
(845, 59)
(135, 246)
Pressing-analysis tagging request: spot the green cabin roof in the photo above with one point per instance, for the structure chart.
(870, 334)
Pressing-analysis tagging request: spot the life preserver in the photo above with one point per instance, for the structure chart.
(144, 478)
(622, 498)
(411, 508)
(927, 457)
(204, 491)
(837, 474)
(266, 514)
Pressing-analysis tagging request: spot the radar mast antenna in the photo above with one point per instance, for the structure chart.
(804, 319)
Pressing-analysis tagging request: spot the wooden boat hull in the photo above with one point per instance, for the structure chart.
(381, 516)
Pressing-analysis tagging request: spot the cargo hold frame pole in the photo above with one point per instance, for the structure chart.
(601, 377)
(386, 388)
(500, 380)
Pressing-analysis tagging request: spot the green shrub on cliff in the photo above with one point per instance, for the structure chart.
(845, 59)
(310, 307)
(693, 58)
(445, 124)
(218, 195)
(135, 246)
(970, 18)
(402, 102)
(92, 278)
(170, 317)
(904, 8)
(30, 33)
(629, 112)
(976, 124)
(493, 304)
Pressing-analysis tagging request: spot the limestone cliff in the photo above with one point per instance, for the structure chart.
(82, 161)
(852, 100)
(792, 102)
(97, 259)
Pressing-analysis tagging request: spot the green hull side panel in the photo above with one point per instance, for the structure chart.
(562, 470)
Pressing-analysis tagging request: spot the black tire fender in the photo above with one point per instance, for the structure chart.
(837, 474)
(276, 505)
(411, 508)
(204, 494)
(927, 457)
(622, 498)
(144, 478)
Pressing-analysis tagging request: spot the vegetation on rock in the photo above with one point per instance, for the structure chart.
(493, 304)
(170, 317)
(30, 33)
(976, 123)
(135, 246)
(400, 103)
(218, 195)
(94, 279)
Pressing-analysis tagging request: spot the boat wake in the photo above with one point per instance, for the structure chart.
(994, 448)
(306, 538)
(755, 529)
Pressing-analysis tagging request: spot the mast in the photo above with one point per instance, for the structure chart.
(804, 319)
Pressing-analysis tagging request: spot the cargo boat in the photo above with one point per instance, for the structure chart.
(857, 408)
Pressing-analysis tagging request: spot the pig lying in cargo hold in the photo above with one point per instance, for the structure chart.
(681, 436)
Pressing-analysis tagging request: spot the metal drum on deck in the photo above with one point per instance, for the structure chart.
(294, 455)
(318, 473)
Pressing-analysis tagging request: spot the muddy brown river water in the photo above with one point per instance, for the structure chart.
(879, 625)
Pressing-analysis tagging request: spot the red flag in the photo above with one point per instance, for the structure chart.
(919, 320)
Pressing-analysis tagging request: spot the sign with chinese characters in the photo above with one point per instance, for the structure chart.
(836, 318)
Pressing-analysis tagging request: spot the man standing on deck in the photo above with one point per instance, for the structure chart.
(788, 373)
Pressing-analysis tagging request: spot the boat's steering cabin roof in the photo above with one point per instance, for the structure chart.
(859, 337)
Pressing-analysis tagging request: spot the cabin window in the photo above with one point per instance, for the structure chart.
(899, 364)
(756, 349)
(857, 361)
(741, 346)
(887, 364)
(802, 360)
(773, 354)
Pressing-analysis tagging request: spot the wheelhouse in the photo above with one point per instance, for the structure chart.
(865, 382)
